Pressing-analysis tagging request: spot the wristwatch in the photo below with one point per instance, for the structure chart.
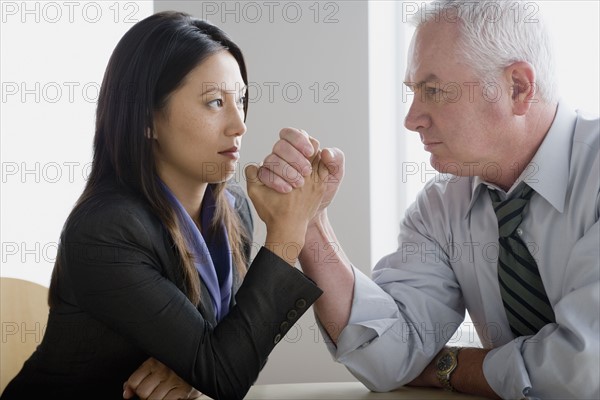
(445, 365)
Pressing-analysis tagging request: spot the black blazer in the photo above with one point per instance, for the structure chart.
(119, 300)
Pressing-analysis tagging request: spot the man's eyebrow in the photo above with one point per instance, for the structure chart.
(428, 78)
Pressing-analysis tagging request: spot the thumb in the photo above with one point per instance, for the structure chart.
(315, 144)
(333, 159)
(251, 172)
(127, 391)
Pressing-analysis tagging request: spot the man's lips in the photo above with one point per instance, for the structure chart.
(430, 144)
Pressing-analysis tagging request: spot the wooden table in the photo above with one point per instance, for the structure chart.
(345, 391)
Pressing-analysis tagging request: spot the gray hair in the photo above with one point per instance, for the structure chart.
(497, 33)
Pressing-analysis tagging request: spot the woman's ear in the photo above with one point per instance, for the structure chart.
(150, 134)
(521, 76)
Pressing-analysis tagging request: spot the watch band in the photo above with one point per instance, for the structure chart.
(446, 364)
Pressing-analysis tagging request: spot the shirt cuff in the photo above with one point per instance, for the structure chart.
(505, 371)
(373, 312)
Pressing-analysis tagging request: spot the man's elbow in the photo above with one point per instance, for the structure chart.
(381, 382)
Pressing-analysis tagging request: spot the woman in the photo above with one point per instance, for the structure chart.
(151, 269)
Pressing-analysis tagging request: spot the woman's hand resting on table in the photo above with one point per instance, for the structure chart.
(154, 380)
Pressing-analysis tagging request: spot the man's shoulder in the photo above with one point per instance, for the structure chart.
(585, 154)
(587, 131)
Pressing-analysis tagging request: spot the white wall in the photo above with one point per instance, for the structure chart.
(318, 48)
(53, 56)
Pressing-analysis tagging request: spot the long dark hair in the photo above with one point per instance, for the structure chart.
(148, 64)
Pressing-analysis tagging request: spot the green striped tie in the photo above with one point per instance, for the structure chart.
(525, 301)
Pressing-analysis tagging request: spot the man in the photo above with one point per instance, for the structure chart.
(509, 230)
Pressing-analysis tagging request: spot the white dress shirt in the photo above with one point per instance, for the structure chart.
(446, 262)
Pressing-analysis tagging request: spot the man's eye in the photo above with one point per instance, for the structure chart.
(432, 91)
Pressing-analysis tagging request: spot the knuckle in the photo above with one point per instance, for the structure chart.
(263, 175)
(279, 146)
(271, 160)
(286, 131)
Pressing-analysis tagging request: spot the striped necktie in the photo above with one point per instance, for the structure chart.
(525, 301)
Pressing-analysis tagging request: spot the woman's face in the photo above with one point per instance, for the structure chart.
(198, 134)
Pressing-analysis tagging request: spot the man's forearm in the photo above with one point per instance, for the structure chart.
(468, 376)
(323, 260)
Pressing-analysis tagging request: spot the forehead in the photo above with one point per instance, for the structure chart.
(434, 51)
(219, 70)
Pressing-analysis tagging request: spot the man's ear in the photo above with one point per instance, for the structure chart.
(521, 76)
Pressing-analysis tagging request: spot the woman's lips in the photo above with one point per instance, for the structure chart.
(232, 152)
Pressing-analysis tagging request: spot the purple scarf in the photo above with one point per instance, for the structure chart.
(212, 254)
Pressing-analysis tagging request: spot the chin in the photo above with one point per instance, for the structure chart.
(437, 164)
(457, 168)
(446, 166)
(227, 176)
(220, 173)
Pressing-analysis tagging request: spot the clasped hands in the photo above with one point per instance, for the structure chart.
(294, 183)
(291, 160)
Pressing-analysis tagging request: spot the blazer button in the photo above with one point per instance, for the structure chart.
(284, 326)
(301, 303)
(277, 338)
(292, 314)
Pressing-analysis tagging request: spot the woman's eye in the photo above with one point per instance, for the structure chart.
(216, 103)
(241, 101)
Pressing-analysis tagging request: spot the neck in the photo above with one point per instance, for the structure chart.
(189, 194)
(534, 129)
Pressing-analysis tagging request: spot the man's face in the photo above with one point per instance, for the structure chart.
(462, 121)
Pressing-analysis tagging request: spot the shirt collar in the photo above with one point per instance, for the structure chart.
(548, 171)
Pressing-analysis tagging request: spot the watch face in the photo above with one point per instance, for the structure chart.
(445, 362)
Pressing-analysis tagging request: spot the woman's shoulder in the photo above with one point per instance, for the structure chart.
(111, 212)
